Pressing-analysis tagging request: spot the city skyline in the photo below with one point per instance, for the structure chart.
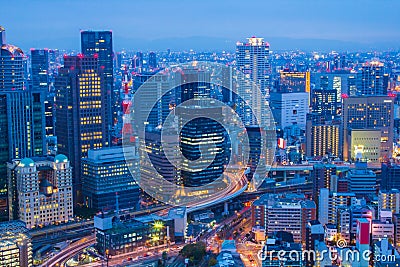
(187, 133)
(287, 25)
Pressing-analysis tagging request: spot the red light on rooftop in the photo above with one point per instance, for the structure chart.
(392, 95)
(80, 55)
(96, 55)
(345, 96)
(102, 67)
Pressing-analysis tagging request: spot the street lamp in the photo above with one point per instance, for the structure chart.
(107, 255)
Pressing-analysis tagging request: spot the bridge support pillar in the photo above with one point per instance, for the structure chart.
(226, 210)
(284, 176)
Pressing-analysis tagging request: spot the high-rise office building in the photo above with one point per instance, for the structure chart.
(137, 62)
(371, 79)
(40, 190)
(294, 82)
(315, 233)
(289, 108)
(367, 112)
(12, 62)
(253, 61)
(154, 85)
(322, 139)
(40, 69)
(99, 44)
(196, 138)
(390, 174)
(80, 112)
(339, 62)
(343, 82)
(284, 213)
(330, 204)
(389, 200)
(323, 101)
(362, 180)
(22, 124)
(366, 145)
(152, 64)
(228, 87)
(107, 172)
(195, 83)
(15, 245)
(323, 176)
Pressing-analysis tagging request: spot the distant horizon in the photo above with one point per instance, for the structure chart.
(209, 44)
(157, 25)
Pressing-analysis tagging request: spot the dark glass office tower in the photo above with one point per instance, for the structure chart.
(371, 79)
(152, 61)
(21, 119)
(40, 69)
(99, 44)
(202, 141)
(21, 115)
(80, 113)
(323, 101)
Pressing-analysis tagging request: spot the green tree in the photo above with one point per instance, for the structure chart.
(164, 257)
(195, 251)
(212, 262)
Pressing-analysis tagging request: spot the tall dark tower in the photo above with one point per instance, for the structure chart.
(21, 115)
(99, 44)
(371, 79)
(80, 123)
(40, 69)
(194, 134)
(152, 61)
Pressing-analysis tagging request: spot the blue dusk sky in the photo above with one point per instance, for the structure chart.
(208, 24)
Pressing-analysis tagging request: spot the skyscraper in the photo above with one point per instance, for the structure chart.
(196, 138)
(362, 180)
(322, 138)
(371, 79)
(99, 44)
(289, 108)
(22, 125)
(40, 69)
(294, 81)
(367, 113)
(152, 64)
(11, 65)
(107, 172)
(137, 62)
(323, 101)
(252, 60)
(41, 77)
(80, 112)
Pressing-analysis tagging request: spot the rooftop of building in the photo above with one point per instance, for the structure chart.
(226, 259)
(30, 162)
(177, 213)
(10, 228)
(126, 226)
